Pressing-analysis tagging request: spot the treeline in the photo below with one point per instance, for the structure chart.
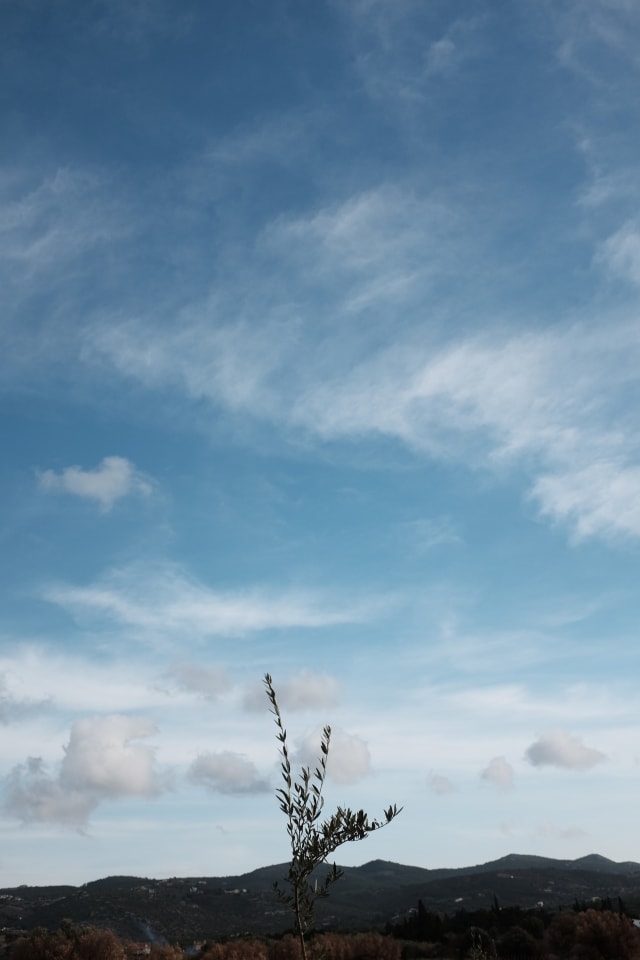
(508, 933)
(513, 933)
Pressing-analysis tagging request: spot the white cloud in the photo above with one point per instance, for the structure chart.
(500, 402)
(612, 26)
(560, 749)
(165, 601)
(549, 829)
(14, 708)
(442, 56)
(390, 43)
(113, 479)
(56, 219)
(42, 677)
(601, 499)
(621, 253)
(304, 691)
(102, 756)
(439, 784)
(499, 772)
(349, 757)
(448, 53)
(227, 772)
(101, 762)
(207, 682)
(426, 533)
(32, 795)
(228, 363)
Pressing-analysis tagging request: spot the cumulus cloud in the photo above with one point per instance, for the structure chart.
(227, 772)
(439, 784)
(102, 756)
(499, 772)
(560, 749)
(101, 762)
(304, 691)
(207, 682)
(549, 829)
(113, 479)
(32, 794)
(349, 758)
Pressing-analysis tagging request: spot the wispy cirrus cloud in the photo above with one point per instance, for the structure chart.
(55, 219)
(620, 252)
(165, 601)
(589, 34)
(500, 401)
(495, 403)
(399, 48)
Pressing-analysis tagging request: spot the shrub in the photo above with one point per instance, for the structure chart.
(236, 950)
(592, 935)
(81, 943)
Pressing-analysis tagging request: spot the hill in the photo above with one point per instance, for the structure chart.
(366, 897)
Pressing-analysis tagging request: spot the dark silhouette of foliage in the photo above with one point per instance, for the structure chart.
(517, 942)
(592, 935)
(421, 925)
(312, 840)
(477, 944)
(83, 943)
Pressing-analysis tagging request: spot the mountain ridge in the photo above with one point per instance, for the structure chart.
(367, 897)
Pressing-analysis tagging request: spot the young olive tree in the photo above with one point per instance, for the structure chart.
(312, 840)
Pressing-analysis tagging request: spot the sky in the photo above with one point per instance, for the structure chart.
(319, 356)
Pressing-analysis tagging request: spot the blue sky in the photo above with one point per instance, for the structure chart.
(319, 355)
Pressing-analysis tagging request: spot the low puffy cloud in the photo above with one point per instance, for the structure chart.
(439, 784)
(549, 829)
(102, 756)
(560, 749)
(101, 762)
(499, 772)
(349, 758)
(304, 691)
(227, 772)
(113, 479)
(207, 682)
(34, 796)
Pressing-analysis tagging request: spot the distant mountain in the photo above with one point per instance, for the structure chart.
(367, 897)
